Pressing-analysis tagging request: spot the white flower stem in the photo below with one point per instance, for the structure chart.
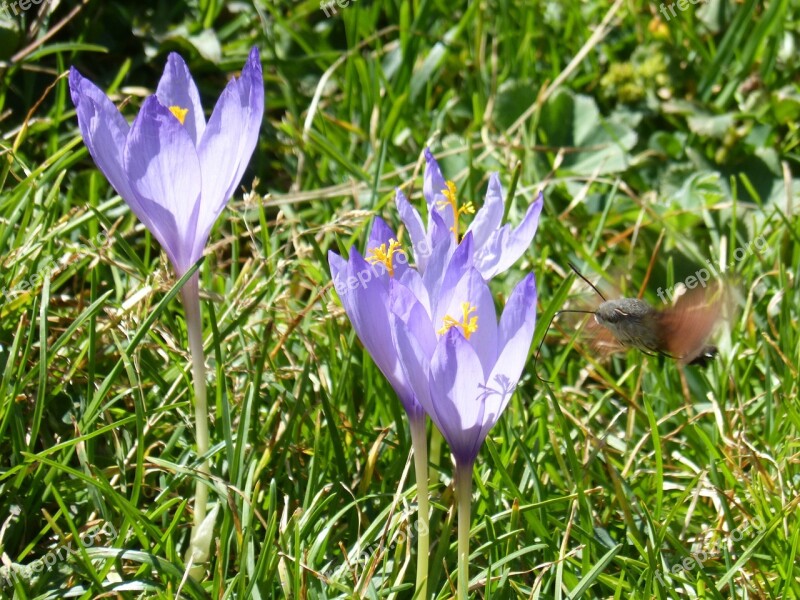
(419, 445)
(463, 485)
(194, 324)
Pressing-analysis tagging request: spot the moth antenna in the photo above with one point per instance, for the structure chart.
(541, 342)
(591, 285)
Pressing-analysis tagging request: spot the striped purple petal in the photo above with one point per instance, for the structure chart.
(505, 245)
(162, 166)
(177, 88)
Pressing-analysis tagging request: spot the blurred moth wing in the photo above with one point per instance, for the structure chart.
(686, 326)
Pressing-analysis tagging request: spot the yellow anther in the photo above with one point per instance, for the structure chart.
(385, 255)
(468, 324)
(467, 209)
(180, 113)
(449, 192)
(452, 201)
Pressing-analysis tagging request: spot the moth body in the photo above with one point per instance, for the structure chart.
(633, 322)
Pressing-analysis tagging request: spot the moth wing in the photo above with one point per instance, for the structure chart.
(685, 327)
(602, 341)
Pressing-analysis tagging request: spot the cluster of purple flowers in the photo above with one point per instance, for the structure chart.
(432, 328)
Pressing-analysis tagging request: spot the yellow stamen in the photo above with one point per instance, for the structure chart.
(385, 255)
(180, 113)
(468, 324)
(451, 200)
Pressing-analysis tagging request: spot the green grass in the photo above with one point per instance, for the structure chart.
(666, 144)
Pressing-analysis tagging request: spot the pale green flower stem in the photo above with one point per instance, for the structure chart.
(419, 445)
(463, 491)
(194, 324)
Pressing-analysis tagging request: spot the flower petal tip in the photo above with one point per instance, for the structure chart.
(253, 59)
(337, 263)
(530, 280)
(75, 76)
(75, 84)
(175, 61)
(528, 285)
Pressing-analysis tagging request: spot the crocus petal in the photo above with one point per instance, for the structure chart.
(473, 290)
(368, 302)
(405, 305)
(340, 270)
(346, 279)
(379, 234)
(338, 274)
(217, 162)
(456, 382)
(104, 130)
(516, 329)
(505, 245)
(442, 245)
(417, 370)
(416, 230)
(519, 312)
(414, 364)
(162, 165)
(413, 281)
(432, 186)
(490, 216)
(366, 306)
(177, 88)
(460, 264)
(496, 394)
(368, 311)
(251, 100)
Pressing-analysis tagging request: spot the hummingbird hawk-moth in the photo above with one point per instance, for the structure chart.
(680, 331)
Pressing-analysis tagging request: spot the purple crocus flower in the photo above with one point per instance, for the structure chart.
(363, 287)
(175, 170)
(497, 246)
(461, 365)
